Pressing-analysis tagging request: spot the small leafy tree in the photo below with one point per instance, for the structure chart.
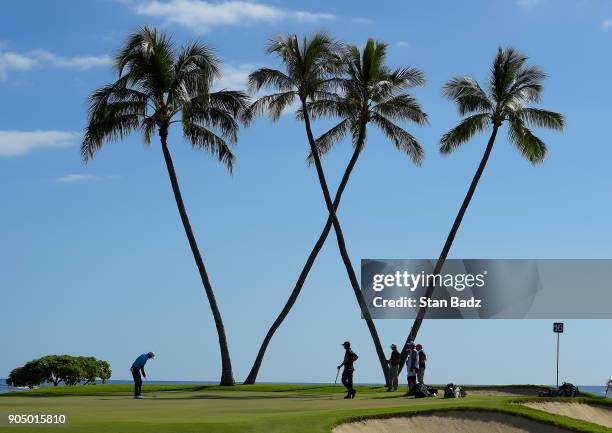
(56, 369)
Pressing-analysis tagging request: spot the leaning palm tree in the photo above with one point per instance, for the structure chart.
(368, 92)
(512, 88)
(156, 88)
(308, 76)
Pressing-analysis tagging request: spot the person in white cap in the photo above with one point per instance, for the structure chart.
(136, 369)
(412, 365)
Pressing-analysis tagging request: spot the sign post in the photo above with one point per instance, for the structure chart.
(558, 329)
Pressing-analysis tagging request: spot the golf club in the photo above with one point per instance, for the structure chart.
(335, 382)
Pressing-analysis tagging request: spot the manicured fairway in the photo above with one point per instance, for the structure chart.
(262, 409)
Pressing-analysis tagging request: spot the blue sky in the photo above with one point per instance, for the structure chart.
(93, 259)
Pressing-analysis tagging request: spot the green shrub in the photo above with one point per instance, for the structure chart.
(56, 369)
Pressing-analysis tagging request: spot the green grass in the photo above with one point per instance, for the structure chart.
(244, 409)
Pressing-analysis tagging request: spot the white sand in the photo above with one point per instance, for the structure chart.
(595, 414)
(450, 422)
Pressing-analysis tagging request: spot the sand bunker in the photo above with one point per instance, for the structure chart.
(450, 422)
(595, 414)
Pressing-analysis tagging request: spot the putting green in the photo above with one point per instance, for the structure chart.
(244, 409)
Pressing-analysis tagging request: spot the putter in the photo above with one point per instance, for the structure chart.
(335, 381)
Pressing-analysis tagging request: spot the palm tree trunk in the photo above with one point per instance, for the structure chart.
(342, 247)
(449, 242)
(252, 377)
(227, 376)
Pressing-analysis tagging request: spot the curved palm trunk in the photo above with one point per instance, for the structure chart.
(227, 377)
(449, 242)
(342, 247)
(252, 377)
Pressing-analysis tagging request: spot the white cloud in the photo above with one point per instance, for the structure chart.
(529, 3)
(234, 77)
(84, 177)
(200, 16)
(77, 178)
(361, 20)
(13, 61)
(606, 24)
(19, 143)
(402, 44)
(77, 62)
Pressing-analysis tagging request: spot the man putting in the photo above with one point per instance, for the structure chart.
(347, 374)
(137, 368)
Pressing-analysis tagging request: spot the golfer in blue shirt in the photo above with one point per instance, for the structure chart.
(137, 368)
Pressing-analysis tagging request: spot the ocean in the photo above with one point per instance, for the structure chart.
(599, 390)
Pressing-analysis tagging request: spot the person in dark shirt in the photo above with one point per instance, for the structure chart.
(136, 369)
(422, 363)
(347, 374)
(394, 363)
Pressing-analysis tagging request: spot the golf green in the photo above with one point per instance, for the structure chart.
(210, 409)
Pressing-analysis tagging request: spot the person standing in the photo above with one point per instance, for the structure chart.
(412, 366)
(422, 362)
(136, 369)
(394, 363)
(347, 374)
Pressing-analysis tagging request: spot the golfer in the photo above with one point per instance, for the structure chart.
(394, 363)
(422, 363)
(412, 365)
(347, 374)
(137, 368)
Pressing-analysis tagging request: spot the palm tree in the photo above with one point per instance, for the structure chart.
(370, 92)
(156, 88)
(512, 87)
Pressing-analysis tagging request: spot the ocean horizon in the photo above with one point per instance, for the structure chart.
(4, 388)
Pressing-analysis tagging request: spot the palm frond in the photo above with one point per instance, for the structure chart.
(194, 72)
(327, 140)
(149, 58)
(273, 104)
(404, 107)
(464, 131)
(205, 139)
(106, 126)
(541, 118)
(271, 78)
(407, 77)
(506, 65)
(403, 140)
(530, 146)
(468, 95)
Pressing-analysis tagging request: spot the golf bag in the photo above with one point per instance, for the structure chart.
(565, 390)
(421, 391)
(454, 391)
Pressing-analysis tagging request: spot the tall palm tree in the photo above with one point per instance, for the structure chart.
(157, 87)
(512, 88)
(369, 92)
(309, 69)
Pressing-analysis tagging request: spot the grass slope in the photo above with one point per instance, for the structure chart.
(244, 409)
